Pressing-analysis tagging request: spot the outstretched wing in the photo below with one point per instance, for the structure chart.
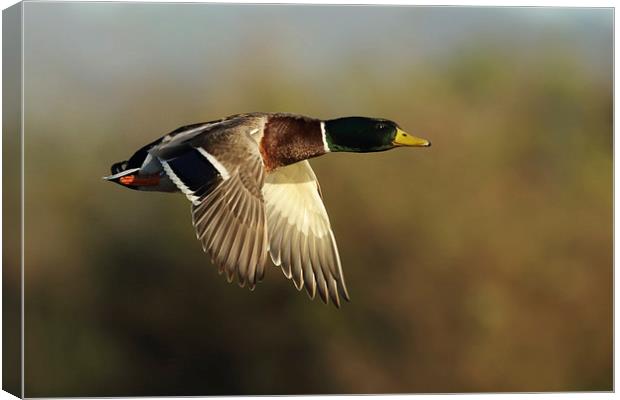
(221, 173)
(300, 235)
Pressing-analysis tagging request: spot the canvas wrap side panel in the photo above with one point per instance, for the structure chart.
(12, 200)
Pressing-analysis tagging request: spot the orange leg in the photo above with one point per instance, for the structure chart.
(135, 180)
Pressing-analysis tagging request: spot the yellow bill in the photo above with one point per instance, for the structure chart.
(404, 139)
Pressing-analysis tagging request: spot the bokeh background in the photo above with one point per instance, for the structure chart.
(481, 264)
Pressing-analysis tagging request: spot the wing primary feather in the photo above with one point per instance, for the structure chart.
(219, 242)
(333, 292)
(246, 249)
(263, 248)
(233, 250)
(211, 220)
(214, 230)
(340, 275)
(208, 207)
(240, 239)
(276, 231)
(254, 256)
(243, 268)
(286, 255)
(296, 266)
(309, 279)
(318, 272)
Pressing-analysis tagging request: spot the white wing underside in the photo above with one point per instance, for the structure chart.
(300, 237)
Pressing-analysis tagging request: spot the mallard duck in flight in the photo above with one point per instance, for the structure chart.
(253, 191)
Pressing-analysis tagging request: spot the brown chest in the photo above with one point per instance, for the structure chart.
(287, 140)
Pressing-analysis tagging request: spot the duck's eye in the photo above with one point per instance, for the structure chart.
(380, 126)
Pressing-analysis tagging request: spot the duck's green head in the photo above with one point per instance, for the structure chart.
(362, 134)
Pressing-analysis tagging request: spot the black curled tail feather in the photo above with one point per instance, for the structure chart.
(118, 167)
(136, 160)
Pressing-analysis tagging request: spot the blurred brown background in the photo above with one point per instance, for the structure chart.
(481, 264)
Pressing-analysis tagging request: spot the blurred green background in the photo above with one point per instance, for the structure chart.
(481, 264)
